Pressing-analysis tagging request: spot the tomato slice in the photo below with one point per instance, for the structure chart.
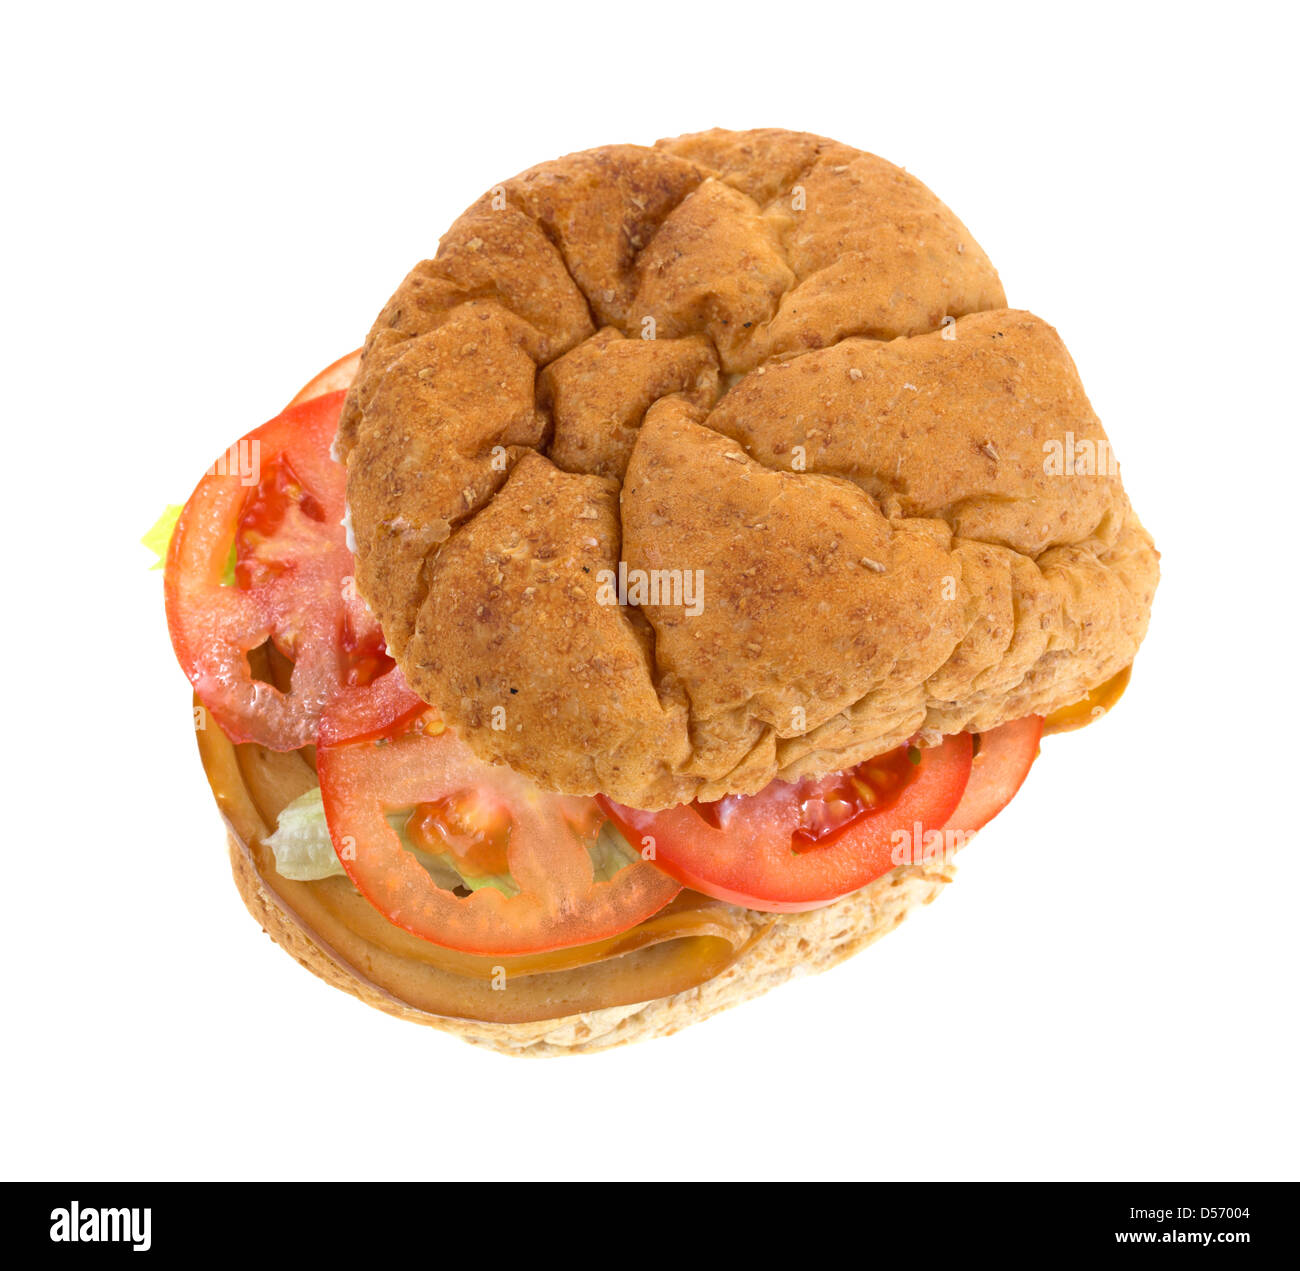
(999, 769)
(338, 375)
(475, 809)
(278, 499)
(801, 845)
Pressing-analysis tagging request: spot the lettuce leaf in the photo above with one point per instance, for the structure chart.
(301, 842)
(158, 540)
(611, 852)
(159, 537)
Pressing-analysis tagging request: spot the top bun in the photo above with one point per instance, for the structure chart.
(774, 360)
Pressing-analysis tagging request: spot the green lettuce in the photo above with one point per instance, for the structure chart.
(301, 842)
(158, 538)
(611, 852)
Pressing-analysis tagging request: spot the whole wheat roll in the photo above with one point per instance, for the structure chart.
(838, 427)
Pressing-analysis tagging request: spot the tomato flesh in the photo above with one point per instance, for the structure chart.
(997, 772)
(836, 802)
(280, 503)
(478, 813)
(277, 496)
(338, 375)
(468, 825)
(776, 850)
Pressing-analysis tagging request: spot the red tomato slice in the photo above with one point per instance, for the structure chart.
(279, 499)
(788, 847)
(338, 375)
(476, 809)
(998, 771)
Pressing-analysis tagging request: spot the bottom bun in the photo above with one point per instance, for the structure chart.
(787, 946)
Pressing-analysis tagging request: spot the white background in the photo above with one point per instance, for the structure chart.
(201, 211)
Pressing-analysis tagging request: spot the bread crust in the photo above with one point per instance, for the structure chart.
(791, 945)
(832, 424)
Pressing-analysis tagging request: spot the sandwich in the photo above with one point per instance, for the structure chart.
(688, 564)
